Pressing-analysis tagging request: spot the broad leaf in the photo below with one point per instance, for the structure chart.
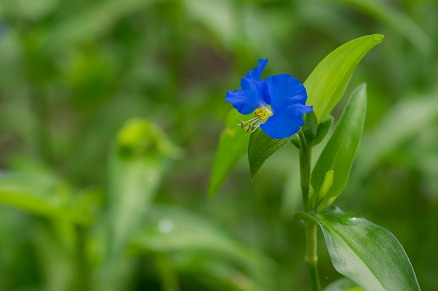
(337, 157)
(366, 253)
(328, 81)
(261, 147)
(232, 146)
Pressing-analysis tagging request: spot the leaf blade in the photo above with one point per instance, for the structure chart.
(325, 89)
(367, 253)
(339, 153)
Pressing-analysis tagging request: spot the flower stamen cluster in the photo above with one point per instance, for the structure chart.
(261, 114)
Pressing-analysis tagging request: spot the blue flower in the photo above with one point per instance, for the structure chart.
(278, 102)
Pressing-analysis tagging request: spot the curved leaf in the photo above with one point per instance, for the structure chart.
(338, 154)
(328, 81)
(366, 253)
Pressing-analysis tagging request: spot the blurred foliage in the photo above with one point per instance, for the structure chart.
(92, 197)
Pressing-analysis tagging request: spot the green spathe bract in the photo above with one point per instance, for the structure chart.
(261, 147)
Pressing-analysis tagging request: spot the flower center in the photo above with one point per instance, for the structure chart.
(261, 115)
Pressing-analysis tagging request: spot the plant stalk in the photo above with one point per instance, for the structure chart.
(311, 255)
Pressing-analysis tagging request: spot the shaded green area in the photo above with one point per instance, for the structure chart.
(110, 116)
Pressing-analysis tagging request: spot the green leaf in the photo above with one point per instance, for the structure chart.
(138, 162)
(232, 146)
(338, 154)
(40, 195)
(366, 253)
(261, 147)
(328, 81)
(323, 129)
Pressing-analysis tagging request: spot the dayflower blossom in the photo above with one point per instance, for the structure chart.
(278, 102)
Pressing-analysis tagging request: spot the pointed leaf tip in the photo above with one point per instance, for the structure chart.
(328, 81)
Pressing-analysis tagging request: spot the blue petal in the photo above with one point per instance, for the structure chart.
(288, 97)
(285, 90)
(286, 122)
(257, 71)
(249, 98)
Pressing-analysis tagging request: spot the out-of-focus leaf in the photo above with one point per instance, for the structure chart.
(400, 124)
(399, 21)
(343, 284)
(328, 81)
(232, 145)
(261, 147)
(338, 154)
(29, 10)
(173, 229)
(88, 22)
(40, 195)
(366, 253)
(55, 252)
(215, 16)
(138, 162)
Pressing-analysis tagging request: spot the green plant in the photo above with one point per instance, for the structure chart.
(360, 250)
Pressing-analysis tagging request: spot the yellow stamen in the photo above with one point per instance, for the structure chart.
(261, 114)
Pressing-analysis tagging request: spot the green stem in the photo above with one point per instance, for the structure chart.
(311, 256)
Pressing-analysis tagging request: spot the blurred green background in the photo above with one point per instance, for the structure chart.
(111, 111)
